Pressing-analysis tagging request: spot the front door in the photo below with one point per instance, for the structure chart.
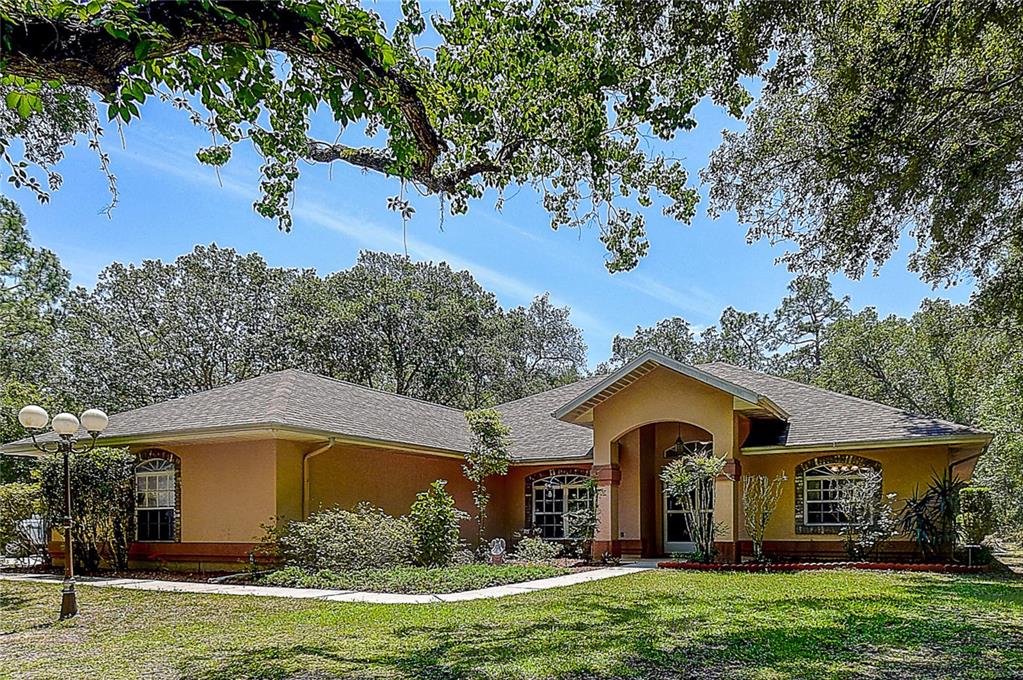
(676, 531)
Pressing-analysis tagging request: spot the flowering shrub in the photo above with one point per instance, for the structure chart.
(536, 549)
(870, 517)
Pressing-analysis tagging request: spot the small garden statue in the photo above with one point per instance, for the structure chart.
(497, 548)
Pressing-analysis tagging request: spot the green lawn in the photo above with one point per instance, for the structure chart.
(649, 625)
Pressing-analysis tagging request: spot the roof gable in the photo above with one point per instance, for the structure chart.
(574, 410)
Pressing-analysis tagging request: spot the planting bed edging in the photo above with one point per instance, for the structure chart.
(817, 566)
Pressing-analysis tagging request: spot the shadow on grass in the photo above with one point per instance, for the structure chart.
(9, 602)
(670, 635)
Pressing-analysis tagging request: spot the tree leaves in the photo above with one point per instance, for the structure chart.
(879, 120)
(559, 96)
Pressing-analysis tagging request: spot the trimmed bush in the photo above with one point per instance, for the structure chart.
(976, 518)
(536, 549)
(18, 502)
(362, 538)
(435, 522)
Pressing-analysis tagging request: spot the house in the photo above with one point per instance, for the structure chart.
(215, 466)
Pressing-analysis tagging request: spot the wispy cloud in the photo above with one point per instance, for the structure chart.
(691, 299)
(364, 231)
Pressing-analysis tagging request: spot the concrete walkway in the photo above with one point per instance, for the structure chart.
(339, 595)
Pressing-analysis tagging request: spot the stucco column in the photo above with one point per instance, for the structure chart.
(727, 510)
(609, 478)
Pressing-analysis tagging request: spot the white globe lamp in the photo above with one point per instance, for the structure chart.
(33, 417)
(94, 421)
(65, 424)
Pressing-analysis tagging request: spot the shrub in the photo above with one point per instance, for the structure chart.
(362, 538)
(930, 518)
(976, 514)
(435, 522)
(760, 495)
(870, 518)
(690, 482)
(19, 502)
(102, 503)
(536, 549)
(582, 522)
(413, 579)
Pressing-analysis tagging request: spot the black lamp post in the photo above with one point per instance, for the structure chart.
(66, 425)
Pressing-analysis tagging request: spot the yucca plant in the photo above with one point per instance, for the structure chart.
(930, 518)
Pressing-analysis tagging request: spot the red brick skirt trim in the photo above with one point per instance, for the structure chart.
(179, 552)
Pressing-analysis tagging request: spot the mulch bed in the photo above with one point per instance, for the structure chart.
(241, 577)
(817, 566)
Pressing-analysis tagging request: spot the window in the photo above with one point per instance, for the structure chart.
(553, 498)
(155, 500)
(822, 486)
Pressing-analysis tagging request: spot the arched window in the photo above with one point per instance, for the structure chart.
(155, 500)
(822, 486)
(693, 449)
(553, 498)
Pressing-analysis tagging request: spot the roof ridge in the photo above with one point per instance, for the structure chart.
(843, 395)
(372, 389)
(552, 389)
(218, 388)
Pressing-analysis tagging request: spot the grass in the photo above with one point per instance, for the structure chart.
(413, 579)
(648, 625)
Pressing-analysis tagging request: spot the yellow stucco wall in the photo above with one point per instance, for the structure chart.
(347, 474)
(289, 478)
(663, 395)
(902, 469)
(228, 490)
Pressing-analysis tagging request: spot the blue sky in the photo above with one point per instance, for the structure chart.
(169, 203)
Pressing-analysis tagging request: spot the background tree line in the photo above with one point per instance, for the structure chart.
(158, 330)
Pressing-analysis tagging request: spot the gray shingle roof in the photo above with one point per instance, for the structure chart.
(819, 416)
(305, 401)
(301, 400)
(297, 399)
(537, 435)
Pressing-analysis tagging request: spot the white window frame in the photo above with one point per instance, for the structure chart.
(832, 472)
(155, 469)
(565, 481)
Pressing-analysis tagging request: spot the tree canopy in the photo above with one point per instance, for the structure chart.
(787, 341)
(875, 117)
(155, 331)
(880, 117)
(561, 95)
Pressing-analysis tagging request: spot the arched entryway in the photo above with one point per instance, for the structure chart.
(650, 523)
